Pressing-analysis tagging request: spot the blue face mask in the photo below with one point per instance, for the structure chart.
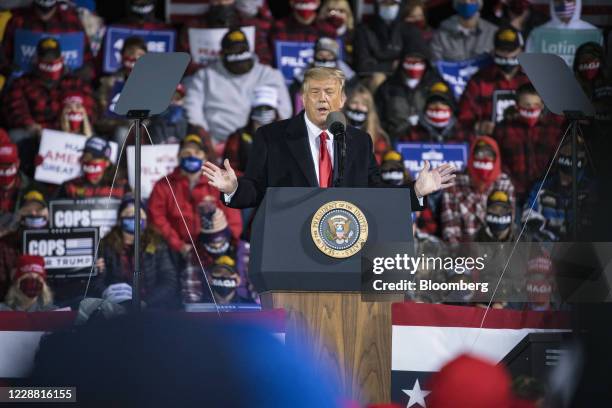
(128, 225)
(191, 164)
(467, 10)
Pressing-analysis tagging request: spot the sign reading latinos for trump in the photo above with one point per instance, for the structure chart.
(156, 40)
(68, 253)
(205, 43)
(60, 153)
(89, 212)
(72, 45)
(458, 73)
(564, 43)
(415, 154)
(156, 162)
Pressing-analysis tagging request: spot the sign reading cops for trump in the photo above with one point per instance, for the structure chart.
(415, 154)
(72, 45)
(458, 73)
(562, 42)
(339, 229)
(156, 40)
(68, 253)
(205, 43)
(293, 57)
(156, 162)
(89, 212)
(60, 155)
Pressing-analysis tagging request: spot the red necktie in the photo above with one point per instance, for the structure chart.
(325, 165)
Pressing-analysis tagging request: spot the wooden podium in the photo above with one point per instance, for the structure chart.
(321, 294)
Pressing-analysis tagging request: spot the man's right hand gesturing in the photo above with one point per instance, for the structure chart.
(223, 180)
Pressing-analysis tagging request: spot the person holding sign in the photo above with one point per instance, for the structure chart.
(527, 140)
(218, 96)
(29, 291)
(298, 152)
(98, 174)
(564, 32)
(49, 17)
(34, 101)
(464, 35)
(116, 261)
(491, 90)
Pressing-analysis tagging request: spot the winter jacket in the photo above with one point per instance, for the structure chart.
(450, 43)
(165, 213)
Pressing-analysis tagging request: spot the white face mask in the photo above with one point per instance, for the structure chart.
(388, 13)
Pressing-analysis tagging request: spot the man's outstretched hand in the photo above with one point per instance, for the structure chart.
(430, 181)
(224, 180)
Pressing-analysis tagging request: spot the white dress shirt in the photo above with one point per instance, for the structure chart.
(314, 133)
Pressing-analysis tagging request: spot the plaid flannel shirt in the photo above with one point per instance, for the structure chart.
(464, 209)
(289, 29)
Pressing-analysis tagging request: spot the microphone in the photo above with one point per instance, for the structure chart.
(336, 124)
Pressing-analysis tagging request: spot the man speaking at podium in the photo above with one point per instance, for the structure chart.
(300, 152)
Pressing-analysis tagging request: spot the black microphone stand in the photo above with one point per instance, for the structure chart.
(339, 133)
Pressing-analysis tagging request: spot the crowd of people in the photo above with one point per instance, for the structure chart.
(516, 184)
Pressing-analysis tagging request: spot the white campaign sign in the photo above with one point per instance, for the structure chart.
(205, 43)
(61, 153)
(156, 162)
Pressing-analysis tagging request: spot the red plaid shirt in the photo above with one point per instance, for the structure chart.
(526, 151)
(464, 209)
(65, 20)
(81, 188)
(289, 29)
(476, 103)
(30, 100)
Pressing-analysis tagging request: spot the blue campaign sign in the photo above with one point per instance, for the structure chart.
(415, 154)
(113, 97)
(293, 57)
(72, 45)
(157, 41)
(458, 73)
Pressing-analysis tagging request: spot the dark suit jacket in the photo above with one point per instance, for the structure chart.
(281, 157)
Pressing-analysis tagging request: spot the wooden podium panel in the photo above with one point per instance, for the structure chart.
(345, 334)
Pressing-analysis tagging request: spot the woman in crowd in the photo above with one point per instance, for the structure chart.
(361, 113)
(115, 263)
(29, 291)
(338, 14)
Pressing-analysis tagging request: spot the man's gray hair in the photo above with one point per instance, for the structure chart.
(323, 73)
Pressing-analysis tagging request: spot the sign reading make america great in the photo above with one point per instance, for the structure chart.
(339, 229)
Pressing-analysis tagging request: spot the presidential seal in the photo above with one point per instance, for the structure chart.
(339, 229)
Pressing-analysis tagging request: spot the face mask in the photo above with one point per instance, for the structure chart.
(498, 223)
(224, 286)
(394, 177)
(506, 64)
(75, 119)
(518, 7)
(325, 63)
(439, 118)
(128, 225)
(356, 117)
(388, 13)
(34, 221)
(335, 21)
(589, 70)
(248, 7)
(482, 168)
(45, 5)
(263, 116)
(565, 10)
(142, 10)
(31, 287)
(51, 70)
(217, 246)
(128, 63)
(530, 115)
(305, 9)
(8, 175)
(191, 164)
(565, 164)
(94, 169)
(467, 10)
(238, 64)
(414, 70)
